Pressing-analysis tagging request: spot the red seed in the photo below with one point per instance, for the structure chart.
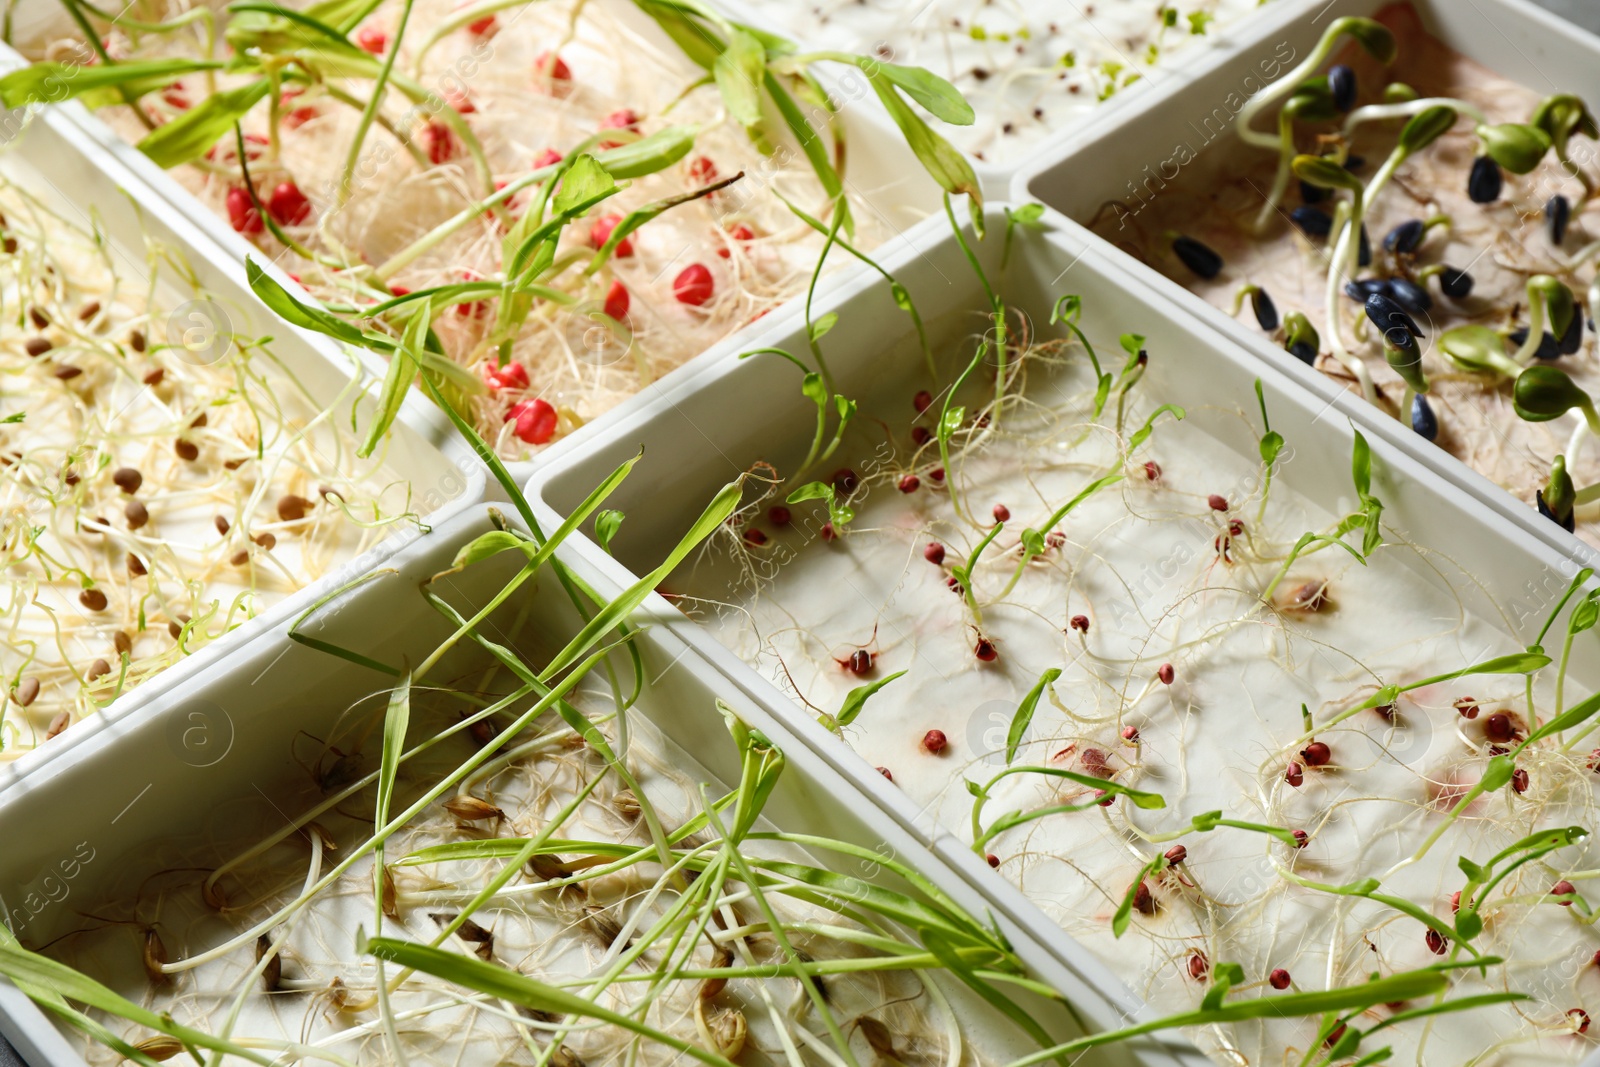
(1217, 502)
(242, 215)
(985, 650)
(1143, 902)
(483, 27)
(617, 300)
(1333, 1038)
(1561, 889)
(1498, 728)
(934, 553)
(1519, 780)
(922, 401)
(1316, 754)
(1105, 798)
(1080, 623)
(1279, 979)
(955, 586)
(1002, 513)
(828, 532)
(1130, 734)
(1199, 966)
(372, 39)
(1468, 707)
(920, 435)
(1165, 673)
(551, 67)
(845, 481)
(548, 158)
(439, 142)
(1455, 902)
(755, 537)
(512, 376)
(288, 206)
(1597, 959)
(1295, 775)
(1580, 1019)
(1437, 942)
(693, 285)
(935, 742)
(994, 861)
(702, 171)
(778, 515)
(910, 483)
(600, 233)
(1301, 839)
(1176, 855)
(885, 772)
(936, 475)
(1152, 472)
(535, 419)
(1055, 539)
(860, 662)
(624, 118)
(1235, 527)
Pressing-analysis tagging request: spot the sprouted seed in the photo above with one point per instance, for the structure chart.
(114, 569)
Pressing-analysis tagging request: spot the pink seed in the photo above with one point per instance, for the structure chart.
(1152, 472)
(922, 401)
(1280, 979)
(994, 861)
(1468, 707)
(1437, 942)
(1217, 502)
(1498, 728)
(1316, 754)
(1199, 966)
(885, 772)
(935, 742)
(860, 662)
(779, 515)
(1080, 623)
(1002, 513)
(1130, 734)
(1295, 775)
(934, 553)
(1301, 839)
(910, 483)
(1561, 889)
(1165, 673)
(1176, 855)
(985, 650)
(1455, 902)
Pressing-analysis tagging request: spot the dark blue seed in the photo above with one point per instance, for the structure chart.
(1557, 213)
(1360, 290)
(1342, 84)
(1483, 184)
(1422, 418)
(1266, 311)
(1567, 524)
(1313, 222)
(1411, 296)
(1549, 347)
(1456, 284)
(1312, 194)
(1354, 163)
(1364, 255)
(1304, 352)
(1400, 339)
(1572, 340)
(1387, 315)
(1197, 256)
(1405, 237)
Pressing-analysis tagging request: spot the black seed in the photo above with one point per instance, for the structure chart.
(1405, 237)
(1313, 222)
(1266, 311)
(1557, 213)
(1342, 83)
(1568, 524)
(1303, 351)
(1411, 296)
(1364, 256)
(1549, 347)
(1422, 418)
(1456, 284)
(1354, 163)
(1312, 194)
(1387, 315)
(1572, 340)
(1400, 339)
(1197, 256)
(1483, 184)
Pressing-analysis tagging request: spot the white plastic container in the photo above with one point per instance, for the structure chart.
(50, 156)
(1188, 122)
(740, 412)
(137, 782)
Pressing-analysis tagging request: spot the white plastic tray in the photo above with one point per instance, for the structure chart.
(702, 434)
(1120, 150)
(51, 154)
(136, 783)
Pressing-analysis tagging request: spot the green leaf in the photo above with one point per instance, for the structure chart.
(403, 365)
(1024, 714)
(943, 162)
(856, 699)
(14, 418)
(811, 491)
(1499, 772)
(1124, 913)
(1361, 466)
(939, 97)
(606, 525)
(584, 183)
(485, 546)
(188, 136)
(52, 83)
(294, 312)
(395, 722)
(1470, 869)
(820, 327)
(1271, 445)
(649, 154)
(739, 72)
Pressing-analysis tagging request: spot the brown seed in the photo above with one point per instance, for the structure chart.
(71, 478)
(40, 319)
(265, 540)
(712, 986)
(548, 868)
(99, 669)
(233, 464)
(878, 1037)
(292, 508)
(93, 599)
(155, 377)
(187, 451)
(627, 805)
(935, 742)
(155, 954)
(160, 1047)
(198, 421)
(1176, 855)
(37, 346)
(327, 491)
(136, 514)
(1198, 965)
(122, 643)
(390, 896)
(1498, 728)
(175, 627)
(27, 692)
(221, 523)
(128, 479)
(272, 976)
(89, 311)
(1143, 901)
(62, 720)
(471, 809)
(136, 342)
(240, 558)
(136, 566)
(10, 245)
(66, 372)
